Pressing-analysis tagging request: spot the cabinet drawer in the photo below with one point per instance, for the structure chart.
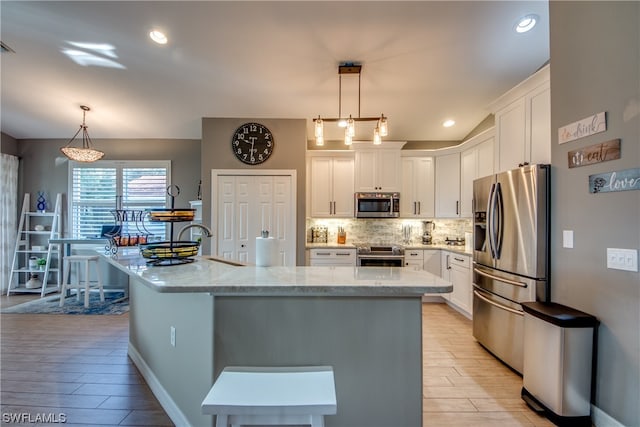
(460, 260)
(413, 255)
(345, 255)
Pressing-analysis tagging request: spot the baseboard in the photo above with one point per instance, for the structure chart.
(602, 419)
(158, 390)
(432, 298)
(459, 310)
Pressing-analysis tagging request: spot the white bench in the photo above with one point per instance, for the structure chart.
(272, 396)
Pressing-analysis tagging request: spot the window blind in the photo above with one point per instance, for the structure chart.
(97, 189)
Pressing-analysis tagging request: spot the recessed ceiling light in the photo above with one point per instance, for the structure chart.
(448, 123)
(158, 37)
(526, 23)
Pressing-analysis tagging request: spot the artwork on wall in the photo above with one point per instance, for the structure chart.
(585, 127)
(609, 150)
(624, 180)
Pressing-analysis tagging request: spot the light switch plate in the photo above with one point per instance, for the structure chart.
(567, 239)
(622, 259)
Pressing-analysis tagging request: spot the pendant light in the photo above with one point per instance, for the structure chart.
(85, 153)
(382, 127)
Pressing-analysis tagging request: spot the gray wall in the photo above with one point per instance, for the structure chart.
(8, 144)
(595, 66)
(289, 153)
(44, 168)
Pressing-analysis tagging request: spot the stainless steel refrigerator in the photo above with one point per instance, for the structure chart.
(510, 256)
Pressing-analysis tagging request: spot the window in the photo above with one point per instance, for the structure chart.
(97, 189)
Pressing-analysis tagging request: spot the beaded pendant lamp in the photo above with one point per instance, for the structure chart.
(85, 153)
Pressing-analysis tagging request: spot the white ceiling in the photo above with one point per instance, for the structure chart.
(423, 62)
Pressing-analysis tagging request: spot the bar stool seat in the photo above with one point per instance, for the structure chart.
(83, 262)
(272, 396)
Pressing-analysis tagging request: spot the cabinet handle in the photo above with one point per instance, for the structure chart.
(457, 207)
(413, 254)
(458, 259)
(334, 207)
(343, 253)
(419, 208)
(323, 253)
(448, 265)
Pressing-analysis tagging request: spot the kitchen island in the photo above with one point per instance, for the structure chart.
(190, 321)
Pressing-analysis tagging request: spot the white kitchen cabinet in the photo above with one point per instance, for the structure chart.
(378, 169)
(448, 186)
(460, 277)
(413, 258)
(475, 162)
(331, 186)
(332, 257)
(417, 199)
(523, 123)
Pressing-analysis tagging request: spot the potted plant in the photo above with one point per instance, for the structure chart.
(41, 263)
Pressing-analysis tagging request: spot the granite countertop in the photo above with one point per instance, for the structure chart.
(208, 274)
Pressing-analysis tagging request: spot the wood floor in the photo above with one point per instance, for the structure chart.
(78, 366)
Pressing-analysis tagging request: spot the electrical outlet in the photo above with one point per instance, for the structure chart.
(622, 259)
(173, 336)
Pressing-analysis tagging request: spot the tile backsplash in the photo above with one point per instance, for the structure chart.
(389, 230)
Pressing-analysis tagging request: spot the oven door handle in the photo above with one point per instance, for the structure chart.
(495, 304)
(500, 279)
(381, 257)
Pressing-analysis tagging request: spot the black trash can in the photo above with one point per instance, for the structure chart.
(558, 362)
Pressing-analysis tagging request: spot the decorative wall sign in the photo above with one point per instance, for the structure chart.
(624, 180)
(598, 153)
(585, 127)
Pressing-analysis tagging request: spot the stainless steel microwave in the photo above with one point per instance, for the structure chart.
(377, 205)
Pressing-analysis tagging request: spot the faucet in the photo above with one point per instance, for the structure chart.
(206, 229)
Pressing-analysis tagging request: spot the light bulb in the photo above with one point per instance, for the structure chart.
(319, 140)
(383, 126)
(348, 139)
(319, 127)
(377, 140)
(351, 127)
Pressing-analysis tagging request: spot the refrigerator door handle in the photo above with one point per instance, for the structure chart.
(499, 210)
(495, 304)
(490, 221)
(500, 279)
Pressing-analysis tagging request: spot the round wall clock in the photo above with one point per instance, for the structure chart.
(252, 143)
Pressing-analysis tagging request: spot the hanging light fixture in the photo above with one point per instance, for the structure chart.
(382, 127)
(86, 153)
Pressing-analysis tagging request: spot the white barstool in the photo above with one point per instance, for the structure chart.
(82, 261)
(272, 396)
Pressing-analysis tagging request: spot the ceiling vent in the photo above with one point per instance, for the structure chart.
(6, 49)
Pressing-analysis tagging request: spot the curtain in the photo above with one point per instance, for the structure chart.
(8, 215)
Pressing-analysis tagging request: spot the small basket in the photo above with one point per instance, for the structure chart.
(171, 215)
(170, 251)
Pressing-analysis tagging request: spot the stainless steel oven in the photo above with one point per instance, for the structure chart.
(377, 205)
(380, 256)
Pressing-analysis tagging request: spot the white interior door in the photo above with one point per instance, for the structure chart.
(246, 205)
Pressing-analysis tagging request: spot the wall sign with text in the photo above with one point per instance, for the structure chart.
(585, 127)
(624, 180)
(598, 153)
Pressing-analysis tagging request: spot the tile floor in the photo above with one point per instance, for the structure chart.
(77, 365)
(464, 385)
